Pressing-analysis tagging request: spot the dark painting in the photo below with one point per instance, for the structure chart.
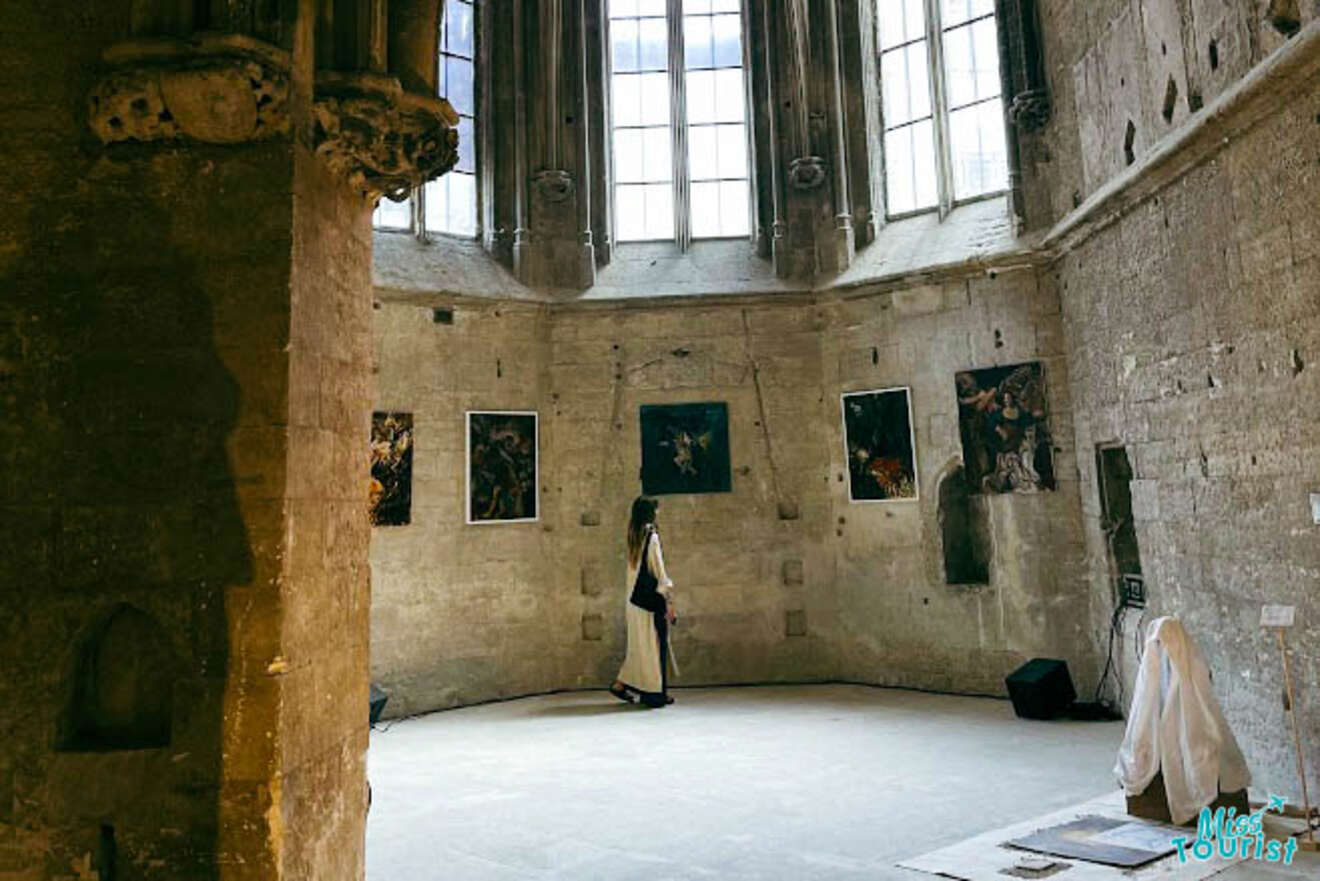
(391, 468)
(1005, 429)
(685, 448)
(502, 466)
(877, 432)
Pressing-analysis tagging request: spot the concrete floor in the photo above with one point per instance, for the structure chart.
(780, 782)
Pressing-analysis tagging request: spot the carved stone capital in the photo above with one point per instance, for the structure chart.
(806, 172)
(382, 139)
(554, 185)
(1030, 110)
(216, 88)
(231, 89)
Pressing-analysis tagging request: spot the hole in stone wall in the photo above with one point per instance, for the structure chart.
(999, 339)
(1170, 99)
(875, 355)
(123, 689)
(442, 316)
(964, 531)
(1129, 139)
(1297, 364)
(499, 369)
(1285, 16)
(1213, 50)
(1194, 101)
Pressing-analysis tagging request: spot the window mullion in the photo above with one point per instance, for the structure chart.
(678, 125)
(939, 107)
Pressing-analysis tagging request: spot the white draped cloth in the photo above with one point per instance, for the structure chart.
(641, 666)
(1175, 726)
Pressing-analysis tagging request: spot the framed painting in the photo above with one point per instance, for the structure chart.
(1005, 429)
(685, 448)
(879, 443)
(503, 466)
(390, 497)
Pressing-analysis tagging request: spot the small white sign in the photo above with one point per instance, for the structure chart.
(1277, 616)
(1315, 507)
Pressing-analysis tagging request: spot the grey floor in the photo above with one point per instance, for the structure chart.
(782, 782)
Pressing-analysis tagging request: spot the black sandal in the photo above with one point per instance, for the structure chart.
(622, 694)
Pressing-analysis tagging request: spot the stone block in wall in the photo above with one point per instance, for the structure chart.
(589, 518)
(793, 572)
(593, 626)
(591, 581)
(795, 622)
(923, 300)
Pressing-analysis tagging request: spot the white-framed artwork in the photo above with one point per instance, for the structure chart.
(503, 466)
(880, 445)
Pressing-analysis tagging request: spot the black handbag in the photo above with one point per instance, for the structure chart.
(644, 593)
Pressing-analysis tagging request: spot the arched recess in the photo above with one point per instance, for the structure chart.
(964, 525)
(123, 685)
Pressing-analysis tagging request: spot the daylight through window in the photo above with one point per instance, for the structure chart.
(679, 120)
(944, 125)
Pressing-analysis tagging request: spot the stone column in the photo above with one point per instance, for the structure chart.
(184, 340)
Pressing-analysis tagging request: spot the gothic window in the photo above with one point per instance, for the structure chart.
(944, 139)
(449, 204)
(679, 139)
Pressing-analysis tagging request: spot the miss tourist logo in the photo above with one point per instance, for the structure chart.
(1224, 834)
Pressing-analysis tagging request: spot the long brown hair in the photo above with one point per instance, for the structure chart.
(643, 515)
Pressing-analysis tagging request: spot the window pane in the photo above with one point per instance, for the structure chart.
(659, 211)
(628, 155)
(701, 96)
(980, 161)
(727, 31)
(901, 21)
(392, 215)
(905, 78)
(705, 210)
(729, 96)
(622, 8)
(657, 155)
(654, 98)
(629, 212)
(955, 12)
(436, 208)
(653, 40)
(458, 84)
(458, 28)
(694, 7)
(725, 6)
(651, 7)
(971, 58)
(910, 168)
(626, 91)
(703, 158)
(698, 50)
(462, 204)
(733, 208)
(623, 43)
(467, 145)
(732, 151)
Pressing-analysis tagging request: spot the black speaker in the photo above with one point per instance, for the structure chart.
(376, 700)
(1041, 689)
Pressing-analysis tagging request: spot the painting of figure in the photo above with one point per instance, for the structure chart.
(390, 497)
(502, 466)
(685, 448)
(1002, 418)
(877, 436)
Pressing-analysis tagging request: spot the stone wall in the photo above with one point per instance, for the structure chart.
(781, 579)
(1147, 64)
(1193, 333)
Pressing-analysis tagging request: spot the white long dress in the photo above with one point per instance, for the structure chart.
(641, 665)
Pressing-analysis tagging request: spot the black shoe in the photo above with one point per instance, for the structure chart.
(622, 694)
(669, 699)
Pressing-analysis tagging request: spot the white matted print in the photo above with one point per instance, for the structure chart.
(880, 446)
(503, 466)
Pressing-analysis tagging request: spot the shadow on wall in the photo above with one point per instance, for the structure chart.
(964, 530)
(125, 528)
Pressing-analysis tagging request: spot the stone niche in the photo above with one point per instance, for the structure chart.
(122, 695)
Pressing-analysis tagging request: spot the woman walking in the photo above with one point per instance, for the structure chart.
(650, 611)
